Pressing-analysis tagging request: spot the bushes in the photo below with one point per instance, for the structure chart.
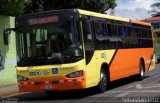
(12, 7)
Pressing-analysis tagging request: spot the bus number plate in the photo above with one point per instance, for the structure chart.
(48, 86)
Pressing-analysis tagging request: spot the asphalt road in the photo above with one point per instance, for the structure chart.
(127, 90)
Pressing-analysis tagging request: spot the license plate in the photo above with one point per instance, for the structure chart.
(48, 86)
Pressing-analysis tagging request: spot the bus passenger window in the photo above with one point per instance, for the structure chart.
(101, 30)
(88, 36)
(88, 40)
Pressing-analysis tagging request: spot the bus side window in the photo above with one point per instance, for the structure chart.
(89, 42)
(101, 31)
(88, 36)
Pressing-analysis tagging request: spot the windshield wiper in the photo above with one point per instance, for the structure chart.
(33, 59)
(39, 61)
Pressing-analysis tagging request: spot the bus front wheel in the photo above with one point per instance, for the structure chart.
(101, 87)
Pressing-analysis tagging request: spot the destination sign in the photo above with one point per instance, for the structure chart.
(43, 20)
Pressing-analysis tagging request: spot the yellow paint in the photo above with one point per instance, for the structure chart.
(93, 68)
(152, 65)
(89, 13)
(63, 69)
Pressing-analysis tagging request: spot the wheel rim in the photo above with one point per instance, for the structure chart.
(103, 80)
(142, 71)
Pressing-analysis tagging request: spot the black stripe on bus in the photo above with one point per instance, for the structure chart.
(113, 57)
(151, 61)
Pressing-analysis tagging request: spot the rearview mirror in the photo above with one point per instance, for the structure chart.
(6, 32)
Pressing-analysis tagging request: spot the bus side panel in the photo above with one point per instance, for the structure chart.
(94, 67)
(126, 62)
(91, 73)
(152, 63)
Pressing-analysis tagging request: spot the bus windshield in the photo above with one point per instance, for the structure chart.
(52, 43)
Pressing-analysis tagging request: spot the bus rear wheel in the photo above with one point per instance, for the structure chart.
(142, 70)
(101, 87)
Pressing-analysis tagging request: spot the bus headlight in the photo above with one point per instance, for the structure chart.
(21, 78)
(75, 74)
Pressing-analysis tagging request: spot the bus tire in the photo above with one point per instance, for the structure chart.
(142, 70)
(101, 87)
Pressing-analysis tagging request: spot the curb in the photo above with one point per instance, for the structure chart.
(9, 94)
(10, 90)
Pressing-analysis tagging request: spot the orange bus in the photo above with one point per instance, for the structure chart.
(77, 49)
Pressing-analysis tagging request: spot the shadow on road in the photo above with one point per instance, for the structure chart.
(124, 81)
(73, 95)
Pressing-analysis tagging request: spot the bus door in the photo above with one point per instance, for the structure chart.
(89, 47)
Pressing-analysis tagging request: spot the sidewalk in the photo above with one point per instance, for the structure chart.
(10, 90)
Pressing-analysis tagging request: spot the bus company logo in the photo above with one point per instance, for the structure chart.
(54, 70)
(37, 73)
(103, 55)
(45, 72)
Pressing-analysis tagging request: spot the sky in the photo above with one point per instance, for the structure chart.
(134, 9)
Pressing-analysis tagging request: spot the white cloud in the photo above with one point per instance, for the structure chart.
(133, 9)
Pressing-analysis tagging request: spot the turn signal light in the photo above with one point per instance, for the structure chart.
(21, 78)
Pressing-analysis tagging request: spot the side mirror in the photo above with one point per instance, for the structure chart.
(6, 33)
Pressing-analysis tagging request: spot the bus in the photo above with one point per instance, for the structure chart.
(72, 49)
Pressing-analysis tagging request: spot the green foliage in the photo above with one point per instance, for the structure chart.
(155, 8)
(33, 6)
(18, 7)
(156, 5)
(11, 7)
(92, 5)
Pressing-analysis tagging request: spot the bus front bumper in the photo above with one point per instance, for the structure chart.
(52, 84)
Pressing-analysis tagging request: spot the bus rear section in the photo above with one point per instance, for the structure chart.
(124, 46)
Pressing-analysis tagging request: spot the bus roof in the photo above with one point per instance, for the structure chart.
(47, 13)
(140, 22)
(89, 13)
(84, 12)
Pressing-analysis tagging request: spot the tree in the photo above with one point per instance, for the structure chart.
(92, 5)
(12, 7)
(32, 6)
(155, 8)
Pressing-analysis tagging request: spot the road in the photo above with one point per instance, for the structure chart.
(124, 90)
